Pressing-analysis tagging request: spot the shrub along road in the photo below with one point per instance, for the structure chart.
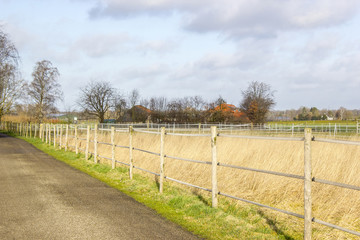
(42, 198)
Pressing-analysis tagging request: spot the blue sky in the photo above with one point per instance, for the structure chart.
(308, 51)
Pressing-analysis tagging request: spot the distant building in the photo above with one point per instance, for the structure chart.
(329, 118)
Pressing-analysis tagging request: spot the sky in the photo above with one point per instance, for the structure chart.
(308, 51)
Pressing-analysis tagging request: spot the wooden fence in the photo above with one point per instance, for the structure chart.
(54, 134)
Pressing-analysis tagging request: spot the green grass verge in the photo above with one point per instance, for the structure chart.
(190, 209)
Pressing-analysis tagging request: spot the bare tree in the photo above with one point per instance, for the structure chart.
(97, 98)
(340, 113)
(257, 101)
(133, 99)
(44, 90)
(158, 108)
(10, 82)
(120, 106)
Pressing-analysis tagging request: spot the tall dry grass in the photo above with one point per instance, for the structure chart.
(334, 162)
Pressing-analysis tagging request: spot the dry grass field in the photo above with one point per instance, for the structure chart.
(334, 162)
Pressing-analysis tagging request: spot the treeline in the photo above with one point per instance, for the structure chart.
(313, 113)
(102, 100)
(37, 100)
(181, 110)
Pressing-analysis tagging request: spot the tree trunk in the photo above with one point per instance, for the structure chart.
(101, 117)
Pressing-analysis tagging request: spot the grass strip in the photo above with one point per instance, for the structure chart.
(186, 207)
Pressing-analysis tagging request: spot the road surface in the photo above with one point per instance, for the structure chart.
(42, 198)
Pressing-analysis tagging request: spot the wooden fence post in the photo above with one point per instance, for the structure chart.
(87, 142)
(76, 139)
(49, 129)
(214, 189)
(307, 185)
(61, 133)
(113, 147)
(46, 133)
(131, 152)
(66, 137)
(357, 127)
(54, 136)
(95, 143)
(162, 157)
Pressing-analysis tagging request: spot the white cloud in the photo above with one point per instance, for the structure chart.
(144, 72)
(100, 45)
(237, 18)
(157, 46)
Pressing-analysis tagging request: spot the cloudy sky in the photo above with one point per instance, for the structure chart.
(307, 50)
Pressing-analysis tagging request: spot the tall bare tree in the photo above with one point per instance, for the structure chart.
(133, 99)
(97, 98)
(258, 98)
(44, 90)
(10, 82)
(120, 106)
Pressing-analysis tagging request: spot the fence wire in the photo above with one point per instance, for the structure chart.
(336, 227)
(187, 160)
(343, 185)
(145, 151)
(120, 146)
(187, 184)
(145, 170)
(262, 171)
(263, 205)
(188, 135)
(261, 137)
(336, 141)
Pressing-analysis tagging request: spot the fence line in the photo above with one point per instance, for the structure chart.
(332, 129)
(50, 133)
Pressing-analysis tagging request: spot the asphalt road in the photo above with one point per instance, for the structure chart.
(42, 198)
